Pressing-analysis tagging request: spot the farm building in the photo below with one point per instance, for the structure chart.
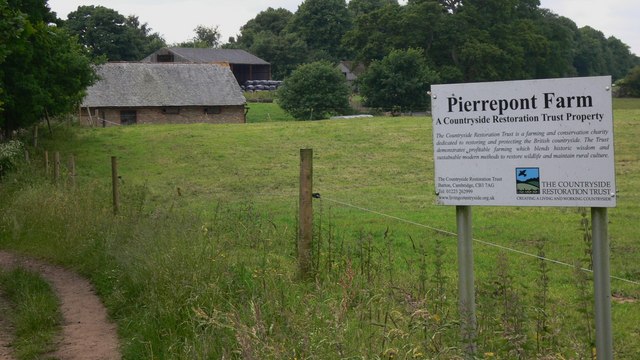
(142, 93)
(244, 65)
(351, 70)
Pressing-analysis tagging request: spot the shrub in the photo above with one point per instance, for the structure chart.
(314, 91)
(10, 152)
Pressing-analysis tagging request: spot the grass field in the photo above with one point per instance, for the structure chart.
(200, 262)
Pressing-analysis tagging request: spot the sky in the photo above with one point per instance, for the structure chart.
(176, 20)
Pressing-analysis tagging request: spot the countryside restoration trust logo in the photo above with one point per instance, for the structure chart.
(527, 180)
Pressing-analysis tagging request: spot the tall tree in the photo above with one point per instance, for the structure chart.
(376, 34)
(105, 32)
(266, 37)
(44, 71)
(272, 20)
(322, 24)
(285, 52)
(363, 7)
(12, 23)
(206, 37)
(399, 81)
(591, 52)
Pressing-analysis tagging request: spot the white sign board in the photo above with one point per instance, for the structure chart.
(525, 143)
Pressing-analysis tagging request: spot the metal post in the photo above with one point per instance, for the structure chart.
(602, 283)
(467, 301)
(305, 217)
(114, 182)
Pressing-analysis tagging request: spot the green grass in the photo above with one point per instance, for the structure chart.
(34, 313)
(201, 260)
(266, 112)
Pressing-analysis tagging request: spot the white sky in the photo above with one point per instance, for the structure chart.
(175, 20)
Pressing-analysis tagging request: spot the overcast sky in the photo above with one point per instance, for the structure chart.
(175, 20)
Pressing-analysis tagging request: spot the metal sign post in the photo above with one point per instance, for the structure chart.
(543, 142)
(467, 299)
(602, 283)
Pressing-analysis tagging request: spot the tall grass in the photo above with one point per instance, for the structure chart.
(210, 271)
(34, 313)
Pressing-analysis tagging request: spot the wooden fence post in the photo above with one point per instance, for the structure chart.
(46, 163)
(72, 170)
(56, 166)
(114, 181)
(35, 136)
(305, 216)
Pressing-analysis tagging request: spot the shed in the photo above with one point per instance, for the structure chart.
(351, 70)
(245, 66)
(130, 93)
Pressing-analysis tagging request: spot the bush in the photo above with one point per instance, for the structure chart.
(630, 85)
(10, 152)
(314, 91)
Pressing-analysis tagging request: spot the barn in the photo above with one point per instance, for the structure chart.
(163, 93)
(245, 66)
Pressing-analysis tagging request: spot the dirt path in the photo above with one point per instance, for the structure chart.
(87, 333)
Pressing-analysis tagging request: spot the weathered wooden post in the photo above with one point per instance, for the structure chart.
(46, 163)
(56, 166)
(114, 182)
(72, 170)
(305, 216)
(35, 136)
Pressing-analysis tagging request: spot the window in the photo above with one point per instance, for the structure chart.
(128, 117)
(212, 110)
(173, 110)
(164, 58)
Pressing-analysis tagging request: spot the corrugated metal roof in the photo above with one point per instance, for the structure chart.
(163, 84)
(232, 56)
(208, 55)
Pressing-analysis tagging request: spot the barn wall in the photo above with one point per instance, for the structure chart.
(156, 115)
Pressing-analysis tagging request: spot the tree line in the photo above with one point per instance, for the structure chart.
(461, 40)
(46, 62)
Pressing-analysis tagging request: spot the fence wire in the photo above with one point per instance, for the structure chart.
(450, 233)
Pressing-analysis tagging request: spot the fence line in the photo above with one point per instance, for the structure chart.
(450, 233)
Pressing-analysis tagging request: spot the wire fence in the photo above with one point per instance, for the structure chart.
(479, 241)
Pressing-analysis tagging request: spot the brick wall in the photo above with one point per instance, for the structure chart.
(169, 115)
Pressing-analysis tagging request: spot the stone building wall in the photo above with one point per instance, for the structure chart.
(164, 115)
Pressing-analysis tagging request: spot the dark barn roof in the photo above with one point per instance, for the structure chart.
(163, 84)
(199, 55)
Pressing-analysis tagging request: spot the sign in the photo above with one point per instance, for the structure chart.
(525, 143)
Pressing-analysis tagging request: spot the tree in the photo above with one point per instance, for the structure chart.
(400, 81)
(362, 7)
(44, 71)
(375, 34)
(285, 52)
(322, 24)
(630, 85)
(12, 24)
(265, 36)
(314, 91)
(272, 21)
(105, 32)
(206, 37)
